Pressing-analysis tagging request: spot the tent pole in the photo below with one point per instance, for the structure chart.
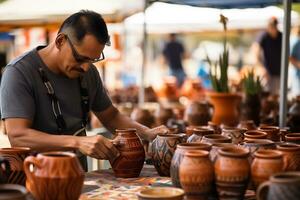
(284, 62)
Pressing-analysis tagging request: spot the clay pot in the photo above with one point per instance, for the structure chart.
(198, 113)
(178, 156)
(293, 138)
(272, 131)
(235, 134)
(132, 155)
(225, 107)
(255, 135)
(143, 116)
(265, 164)
(215, 127)
(281, 186)
(190, 129)
(247, 124)
(56, 175)
(162, 115)
(199, 133)
(13, 192)
(196, 173)
(215, 147)
(15, 156)
(232, 172)
(250, 108)
(4, 170)
(215, 138)
(294, 116)
(291, 156)
(163, 148)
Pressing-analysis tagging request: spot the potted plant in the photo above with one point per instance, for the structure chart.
(224, 102)
(251, 106)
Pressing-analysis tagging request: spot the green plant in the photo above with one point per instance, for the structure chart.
(218, 70)
(251, 83)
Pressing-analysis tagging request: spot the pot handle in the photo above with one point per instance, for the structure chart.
(260, 191)
(31, 160)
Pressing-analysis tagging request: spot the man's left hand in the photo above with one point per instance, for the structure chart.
(152, 133)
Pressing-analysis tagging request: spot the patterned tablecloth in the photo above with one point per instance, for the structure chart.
(103, 184)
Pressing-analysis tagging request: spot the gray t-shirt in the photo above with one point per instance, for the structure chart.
(24, 95)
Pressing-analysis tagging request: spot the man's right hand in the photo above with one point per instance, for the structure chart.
(97, 147)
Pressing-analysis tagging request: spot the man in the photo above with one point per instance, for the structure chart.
(173, 53)
(269, 54)
(47, 93)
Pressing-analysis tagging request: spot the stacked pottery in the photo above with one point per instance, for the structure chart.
(293, 138)
(4, 170)
(15, 156)
(178, 156)
(163, 148)
(215, 138)
(56, 175)
(291, 156)
(196, 174)
(254, 135)
(273, 132)
(132, 155)
(199, 133)
(235, 134)
(232, 172)
(265, 164)
(215, 147)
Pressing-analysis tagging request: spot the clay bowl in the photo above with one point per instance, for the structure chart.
(158, 193)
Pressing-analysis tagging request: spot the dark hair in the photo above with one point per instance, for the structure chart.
(85, 22)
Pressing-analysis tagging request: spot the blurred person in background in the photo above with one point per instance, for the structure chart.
(173, 53)
(295, 60)
(268, 52)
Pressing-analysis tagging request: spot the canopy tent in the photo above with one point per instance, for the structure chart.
(20, 13)
(184, 18)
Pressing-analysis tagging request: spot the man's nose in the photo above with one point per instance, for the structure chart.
(85, 66)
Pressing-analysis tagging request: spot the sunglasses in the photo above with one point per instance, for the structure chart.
(83, 59)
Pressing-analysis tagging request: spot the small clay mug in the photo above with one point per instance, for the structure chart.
(272, 131)
(254, 135)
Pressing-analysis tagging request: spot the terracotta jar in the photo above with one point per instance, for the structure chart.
(215, 138)
(56, 175)
(15, 156)
(13, 192)
(199, 133)
(196, 173)
(215, 127)
(132, 155)
(266, 163)
(235, 134)
(293, 138)
(163, 148)
(291, 156)
(232, 172)
(255, 135)
(198, 113)
(272, 131)
(189, 130)
(4, 170)
(215, 147)
(178, 156)
(248, 124)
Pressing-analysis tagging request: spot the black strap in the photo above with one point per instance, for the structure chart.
(60, 121)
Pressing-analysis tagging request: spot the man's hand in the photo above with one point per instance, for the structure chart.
(98, 147)
(152, 133)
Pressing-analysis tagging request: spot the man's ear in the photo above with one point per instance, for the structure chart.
(59, 41)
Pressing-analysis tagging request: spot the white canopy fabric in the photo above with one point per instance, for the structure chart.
(165, 18)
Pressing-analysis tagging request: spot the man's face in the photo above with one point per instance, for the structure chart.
(77, 58)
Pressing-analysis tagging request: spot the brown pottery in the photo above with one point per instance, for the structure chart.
(255, 135)
(215, 147)
(161, 193)
(293, 138)
(15, 156)
(215, 127)
(181, 149)
(294, 115)
(56, 175)
(281, 186)
(232, 172)
(196, 173)
(235, 134)
(198, 113)
(163, 148)
(291, 156)
(143, 116)
(162, 115)
(266, 163)
(189, 130)
(199, 133)
(215, 138)
(4, 170)
(247, 124)
(13, 192)
(273, 132)
(132, 155)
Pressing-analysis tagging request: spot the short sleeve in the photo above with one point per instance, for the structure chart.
(16, 95)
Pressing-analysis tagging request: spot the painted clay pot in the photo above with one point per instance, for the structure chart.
(281, 186)
(163, 148)
(13, 192)
(132, 155)
(178, 156)
(15, 156)
(293, 138)
(266, 163)
(196, 173)
(199, 133)
(215, 147)
(291, 156)
(232, 172)
(272, 131)
(56, 175)
(235, 134)
(215, 138)
(4, 170)
(255, 135)
(247, 124)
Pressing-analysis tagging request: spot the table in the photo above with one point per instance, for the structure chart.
(103, 185)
